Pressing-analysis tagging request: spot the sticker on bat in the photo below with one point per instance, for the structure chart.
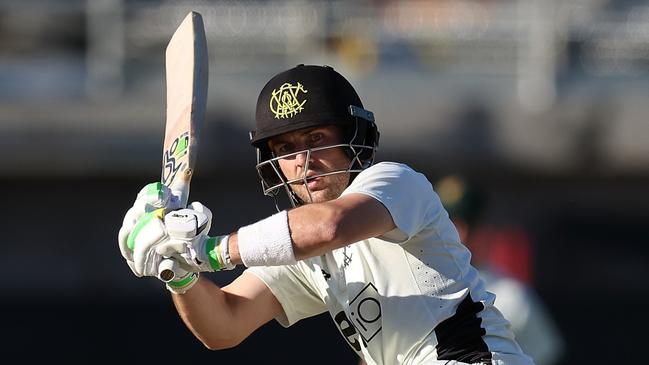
(172, 156)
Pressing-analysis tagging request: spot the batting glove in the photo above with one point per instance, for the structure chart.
(190, 246)
(149, 232)
(152, 197)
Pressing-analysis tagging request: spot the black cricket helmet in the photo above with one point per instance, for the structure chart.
(305, 97)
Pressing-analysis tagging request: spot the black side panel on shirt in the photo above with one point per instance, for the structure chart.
(460, 336)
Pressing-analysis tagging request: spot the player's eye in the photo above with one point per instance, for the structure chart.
(283, 148)
(316, 138)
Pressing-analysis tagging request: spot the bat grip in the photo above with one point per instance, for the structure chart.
(167, 270)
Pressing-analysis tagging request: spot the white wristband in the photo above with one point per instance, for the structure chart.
(267, 242)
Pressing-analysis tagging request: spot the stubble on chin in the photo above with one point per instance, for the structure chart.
(336, 184)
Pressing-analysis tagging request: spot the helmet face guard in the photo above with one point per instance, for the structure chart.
(360, 148)
(305, 97)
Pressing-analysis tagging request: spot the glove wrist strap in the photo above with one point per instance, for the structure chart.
(183, 284)
(218, 253)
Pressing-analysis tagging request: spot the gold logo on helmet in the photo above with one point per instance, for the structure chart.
(285, 103)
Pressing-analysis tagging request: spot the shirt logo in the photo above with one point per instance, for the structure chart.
(347, 258)
(364, 318)
(326, 275)
(285, 102)
(365, 312)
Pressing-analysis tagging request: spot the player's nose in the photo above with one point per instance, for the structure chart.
(304, 160)
(301, 158)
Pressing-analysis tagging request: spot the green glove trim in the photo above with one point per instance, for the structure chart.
(212, 254)
(146, 218)
(154, 189)
(184, 282)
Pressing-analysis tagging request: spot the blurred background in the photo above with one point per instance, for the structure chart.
(539, 105)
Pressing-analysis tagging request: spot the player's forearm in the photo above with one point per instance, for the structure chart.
(316, 229)
(312, 231)
(205, 311)
(319, 228)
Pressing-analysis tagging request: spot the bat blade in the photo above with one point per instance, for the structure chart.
(186, 65)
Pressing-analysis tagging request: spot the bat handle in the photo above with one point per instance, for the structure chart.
(167, 270)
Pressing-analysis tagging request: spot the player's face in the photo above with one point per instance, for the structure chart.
(297, 166)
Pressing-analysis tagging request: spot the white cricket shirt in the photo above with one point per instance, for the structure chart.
(407, 297)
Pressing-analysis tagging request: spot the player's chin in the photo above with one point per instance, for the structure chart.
(322, 196)
(316, 196)
(322, 189)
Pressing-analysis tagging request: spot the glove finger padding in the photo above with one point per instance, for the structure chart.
(122, 237)
(182, 253)
(188, 230)
(148, 232)
(172, 248)
(157, 195)
(151, 197)
(131, 266)
(190, 255)
(130, 220)
(199, 207)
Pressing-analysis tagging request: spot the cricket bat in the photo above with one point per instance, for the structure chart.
(186, 66)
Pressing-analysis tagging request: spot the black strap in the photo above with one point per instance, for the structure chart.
(459, 337)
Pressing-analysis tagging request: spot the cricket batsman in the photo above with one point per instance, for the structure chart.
(369, 243)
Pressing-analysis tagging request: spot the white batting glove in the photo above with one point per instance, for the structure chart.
(152, 197)
(189, 244)
(148, 232)
(182, 281)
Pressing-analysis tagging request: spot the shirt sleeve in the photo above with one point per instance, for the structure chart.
(407, 195)
(293, 290)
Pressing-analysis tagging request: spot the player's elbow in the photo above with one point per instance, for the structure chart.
(215, 346)
(220, 341)
(219, 344)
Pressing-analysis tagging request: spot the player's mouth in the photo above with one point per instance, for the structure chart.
(314, 184)
(313, 181)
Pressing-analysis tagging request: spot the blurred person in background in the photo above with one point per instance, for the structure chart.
(504, 261)
(369, 243)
